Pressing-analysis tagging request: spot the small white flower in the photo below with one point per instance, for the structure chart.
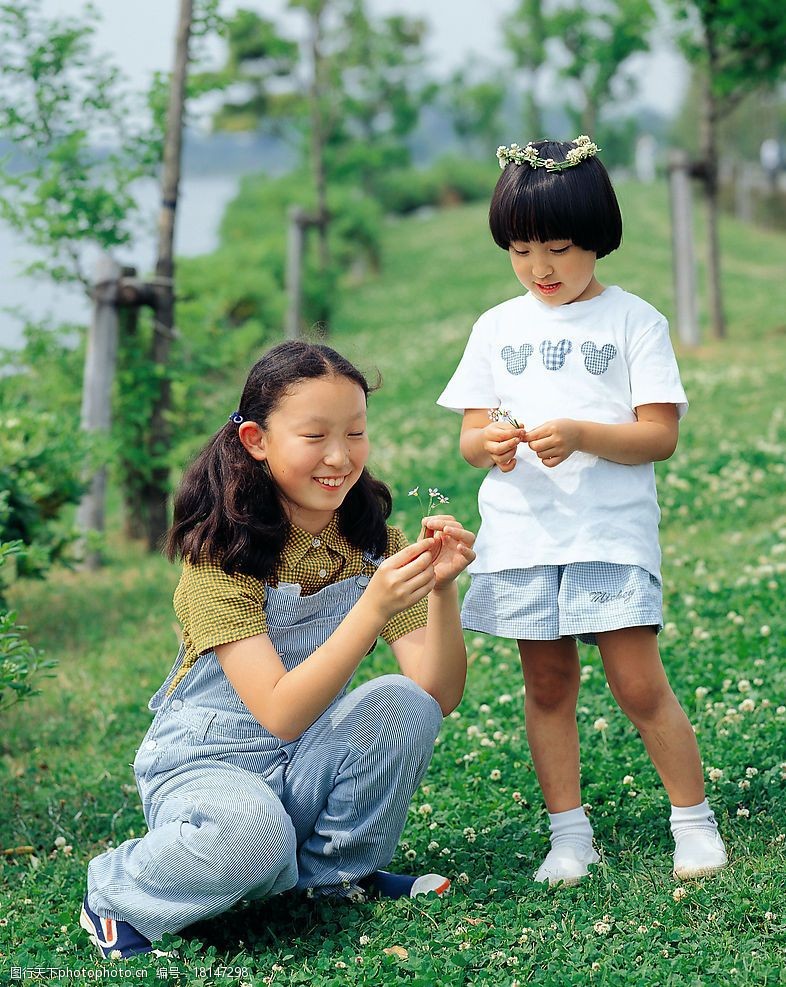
(115, 955)
(743, 686)
(364, 940)
(751, 772)
(413, 492)
(495, 775)
(602, 928)
(764, 630)
(463, 878)
(410, 854)
(715, 774)
(701, 692)
(425, 809)
(627, 780)
(505, 698)
(433, 845)
(516, 796)
(743, 813)
(747, 706)
(60, 842)
(601, 724)
(679, 893)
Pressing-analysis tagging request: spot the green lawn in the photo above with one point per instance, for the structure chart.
(66, 754)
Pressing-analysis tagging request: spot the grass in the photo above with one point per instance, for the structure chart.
(65, 764)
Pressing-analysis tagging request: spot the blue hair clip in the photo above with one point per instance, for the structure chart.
(237, 418)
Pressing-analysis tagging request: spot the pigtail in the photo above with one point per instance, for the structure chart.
(227, 510)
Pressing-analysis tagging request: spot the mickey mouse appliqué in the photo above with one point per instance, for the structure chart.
(596, 361)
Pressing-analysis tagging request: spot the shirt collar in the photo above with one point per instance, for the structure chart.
(301, 541)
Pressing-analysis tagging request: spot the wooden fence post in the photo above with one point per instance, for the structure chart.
(99, 372)
(683, 254)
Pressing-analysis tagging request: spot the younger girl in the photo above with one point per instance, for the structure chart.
(568, 546)
(260, 772)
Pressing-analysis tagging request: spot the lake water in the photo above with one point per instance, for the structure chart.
(200, 208)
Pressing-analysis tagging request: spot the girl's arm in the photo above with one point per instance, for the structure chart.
(435, 656)
(287, 702)
(651, 438)
(485, 444)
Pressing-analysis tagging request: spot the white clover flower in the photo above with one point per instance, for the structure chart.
(60, 842)
(770, 916)
(627, 780)
(463, 878)
(781, 710)
(602, 928)
(744, 784)
(743, 686)
(715, 774)
(679, 893)
(601, 724)
(764, 630)
(425, 809)
(505, 698)
(743, 813)
(516, 796)
(701, 692)
(410, 854)
(751, 772)
(747, 706)
(495, 775)
(115, 955)
(484, 708)
(469, 834)
(433, 845)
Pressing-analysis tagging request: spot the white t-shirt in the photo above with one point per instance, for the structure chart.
(595, 360)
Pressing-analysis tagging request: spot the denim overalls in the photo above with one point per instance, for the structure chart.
(233, 812)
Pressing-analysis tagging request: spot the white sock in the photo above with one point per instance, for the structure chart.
(570, 828)
(687, 817)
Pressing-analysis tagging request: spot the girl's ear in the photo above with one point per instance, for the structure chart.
(253, 439)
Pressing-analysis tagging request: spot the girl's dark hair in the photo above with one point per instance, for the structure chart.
(536, 205)
(228, 509)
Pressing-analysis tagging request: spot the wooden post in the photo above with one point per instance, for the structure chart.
(99, 372)
(294, 277)
(154, 496)
(683, 253)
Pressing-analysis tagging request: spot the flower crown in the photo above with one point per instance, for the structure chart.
(514, 154)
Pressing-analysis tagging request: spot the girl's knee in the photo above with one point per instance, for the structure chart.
(401, 709)
(640, 702)
(551, 691)
(258, 846)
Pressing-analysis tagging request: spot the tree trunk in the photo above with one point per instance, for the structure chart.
(154, 507)
(709, 144)
(318, 136)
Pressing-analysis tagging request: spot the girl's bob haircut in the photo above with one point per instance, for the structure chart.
(533, 205)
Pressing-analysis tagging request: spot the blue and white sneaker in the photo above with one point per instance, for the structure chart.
(389, 885)
(116, 940)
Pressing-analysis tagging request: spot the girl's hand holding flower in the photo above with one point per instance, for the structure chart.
(500, 441)
(452, 549)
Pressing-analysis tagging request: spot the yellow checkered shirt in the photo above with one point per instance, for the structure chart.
(214, 608)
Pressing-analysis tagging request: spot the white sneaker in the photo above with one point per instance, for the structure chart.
(566, 864)
(699, 853)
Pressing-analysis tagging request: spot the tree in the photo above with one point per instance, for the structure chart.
(526, 31)
(474, 108)
(737, 50)
(63, 191)
(598, 39)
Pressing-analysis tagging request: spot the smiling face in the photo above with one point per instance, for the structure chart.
(557, 272)
(315, 445)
